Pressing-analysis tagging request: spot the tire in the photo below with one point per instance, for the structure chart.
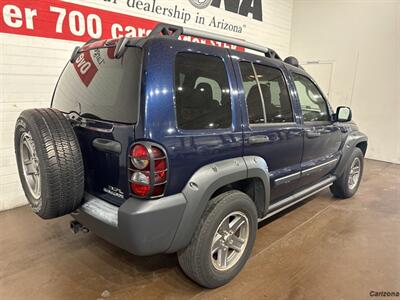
(49, 162)
(342, 188)
(197, 260)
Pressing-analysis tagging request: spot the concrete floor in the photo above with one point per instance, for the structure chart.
(321, 249)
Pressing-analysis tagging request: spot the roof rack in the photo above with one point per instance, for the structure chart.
(173, 31)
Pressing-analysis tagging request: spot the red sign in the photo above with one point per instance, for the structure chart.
(85, 67)
(67, 21)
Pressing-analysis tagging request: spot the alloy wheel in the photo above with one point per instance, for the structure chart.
(230, 241)
(355, 172)
(30, 165)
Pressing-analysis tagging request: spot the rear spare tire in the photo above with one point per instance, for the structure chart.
(49, 162)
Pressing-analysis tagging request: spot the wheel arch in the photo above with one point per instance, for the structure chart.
(252, 187)
(250, 173)
(363, 145)
(353, 140)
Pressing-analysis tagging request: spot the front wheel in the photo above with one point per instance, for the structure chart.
(347, 184)
(223, 240)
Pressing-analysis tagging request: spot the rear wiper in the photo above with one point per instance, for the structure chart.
(90, 121)
(91, 116)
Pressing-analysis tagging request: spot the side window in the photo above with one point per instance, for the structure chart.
(252, 94)
(313, 105)
(273, 104)
(202, 92)
(275, 94)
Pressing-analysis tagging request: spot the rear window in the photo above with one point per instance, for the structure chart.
(100, 87)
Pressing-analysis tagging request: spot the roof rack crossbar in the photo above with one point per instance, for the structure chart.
(166, 29)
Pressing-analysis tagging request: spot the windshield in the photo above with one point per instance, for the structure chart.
(101, 87)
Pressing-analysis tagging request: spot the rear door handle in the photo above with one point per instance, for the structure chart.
(312, 134)
(258, 139)
(107, 145)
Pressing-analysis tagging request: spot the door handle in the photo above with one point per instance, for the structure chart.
(107, 145)
(258, 139)
(313, 134)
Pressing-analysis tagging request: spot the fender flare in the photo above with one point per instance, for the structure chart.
(354, 138)
(208, 179)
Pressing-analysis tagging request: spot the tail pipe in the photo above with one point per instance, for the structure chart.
(76, 227)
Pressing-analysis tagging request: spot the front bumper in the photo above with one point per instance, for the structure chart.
(142, 227)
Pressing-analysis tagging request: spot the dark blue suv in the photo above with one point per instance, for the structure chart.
(160, 145)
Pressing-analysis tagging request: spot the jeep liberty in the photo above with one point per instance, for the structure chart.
(159, 145)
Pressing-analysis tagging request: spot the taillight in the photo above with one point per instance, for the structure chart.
(148, 170)
(140, 157)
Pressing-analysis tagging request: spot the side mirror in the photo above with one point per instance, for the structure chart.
(343, 114)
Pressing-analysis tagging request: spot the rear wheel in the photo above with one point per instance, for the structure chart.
(223, 240)
(49, 162)
(347, 184)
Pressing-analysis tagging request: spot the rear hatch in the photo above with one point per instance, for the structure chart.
(102, 93)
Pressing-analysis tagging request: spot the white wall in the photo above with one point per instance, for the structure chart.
(361, 41)
(30, 65)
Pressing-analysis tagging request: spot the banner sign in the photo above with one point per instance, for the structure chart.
(68, 21)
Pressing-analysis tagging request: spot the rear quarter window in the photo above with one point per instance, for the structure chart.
(202, 92)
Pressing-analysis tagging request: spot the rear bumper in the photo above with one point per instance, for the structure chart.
(138, 226)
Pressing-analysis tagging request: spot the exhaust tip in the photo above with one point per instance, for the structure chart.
(75, 227)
